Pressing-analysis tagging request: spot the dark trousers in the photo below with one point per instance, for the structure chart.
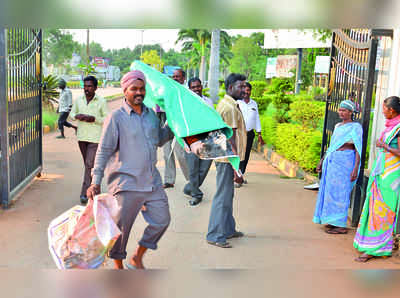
(198, 169)
(250, 139)
(88, 151)
(62, 121)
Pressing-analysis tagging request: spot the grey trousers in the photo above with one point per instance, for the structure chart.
(221, 223)
(169, 158)
(198, 169)
(156, 215)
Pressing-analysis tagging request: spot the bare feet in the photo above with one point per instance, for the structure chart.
(136, 262)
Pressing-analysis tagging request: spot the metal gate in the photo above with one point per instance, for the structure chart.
(20, 109)
(352, 76)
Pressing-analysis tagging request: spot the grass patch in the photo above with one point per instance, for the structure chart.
(112, 97)
(49, 118)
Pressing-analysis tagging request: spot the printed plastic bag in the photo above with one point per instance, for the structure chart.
(81, 237)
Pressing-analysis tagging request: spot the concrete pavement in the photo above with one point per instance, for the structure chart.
(274, 213)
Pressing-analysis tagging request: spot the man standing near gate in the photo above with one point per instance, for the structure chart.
(90, 110)
(249, 109)
(171, 151)
(222, 225)
(64, 107)
(198, 168)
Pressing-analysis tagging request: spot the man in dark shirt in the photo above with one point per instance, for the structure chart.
(128, 153)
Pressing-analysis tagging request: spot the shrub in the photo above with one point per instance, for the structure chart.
(280, 89)
(268, 130)
(299, 145)
(49, 118)
(258, 88)
(263, 102)
(206, 92)
(307, 113)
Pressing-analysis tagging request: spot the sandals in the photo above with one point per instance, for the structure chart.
(364, 258)
(220, 244)
(336, 231)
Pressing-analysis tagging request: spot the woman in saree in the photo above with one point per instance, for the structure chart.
(374, 236)
(340, 167)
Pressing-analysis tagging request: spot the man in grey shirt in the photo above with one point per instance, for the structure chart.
(128, 154)
(64, 108)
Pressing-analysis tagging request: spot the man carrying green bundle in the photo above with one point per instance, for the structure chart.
(222, 225)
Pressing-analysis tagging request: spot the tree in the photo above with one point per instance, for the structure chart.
(248, 59)
(58, 46)
(197, 42)
(151, 58)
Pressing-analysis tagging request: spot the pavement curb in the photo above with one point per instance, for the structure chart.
(288, 168)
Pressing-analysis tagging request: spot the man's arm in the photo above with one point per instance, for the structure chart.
(258, 127)
(164, 135)
(103, 112)
(107, 146)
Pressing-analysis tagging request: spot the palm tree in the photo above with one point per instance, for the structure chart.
(214, 65)
(199, 40)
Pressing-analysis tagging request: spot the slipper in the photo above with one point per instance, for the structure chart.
(335, 231)
(130, 266)
(364, 258)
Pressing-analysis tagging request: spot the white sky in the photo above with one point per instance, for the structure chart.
(122, 38)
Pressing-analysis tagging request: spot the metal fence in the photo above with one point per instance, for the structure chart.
(352, 76)
(20, 109)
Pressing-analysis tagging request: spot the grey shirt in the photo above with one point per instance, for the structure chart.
(127, 151)
(65, 100)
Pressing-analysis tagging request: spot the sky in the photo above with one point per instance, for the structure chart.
(122, 38)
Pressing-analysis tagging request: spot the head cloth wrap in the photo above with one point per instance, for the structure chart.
(131, 76)
(348, 104)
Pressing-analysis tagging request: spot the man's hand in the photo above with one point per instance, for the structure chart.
(354, 174)
(260, 140)
(319, 166)
(92, 191)
(85, 118)
(237, 179)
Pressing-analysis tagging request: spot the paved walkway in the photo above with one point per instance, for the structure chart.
(274, 213)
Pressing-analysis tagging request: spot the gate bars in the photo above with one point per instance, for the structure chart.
(20, 109)
(352, 76)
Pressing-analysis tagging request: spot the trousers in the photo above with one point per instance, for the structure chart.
(156, 215)
(222, 223)
(88, 151)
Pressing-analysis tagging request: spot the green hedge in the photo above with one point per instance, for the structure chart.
(268, 130)
(49, 118)
(299, 145)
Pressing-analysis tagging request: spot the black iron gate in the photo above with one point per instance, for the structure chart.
(20, 109)
(351, 76)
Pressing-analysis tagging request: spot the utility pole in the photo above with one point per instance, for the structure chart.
(87, 45)
(213, 82)
(141, 47)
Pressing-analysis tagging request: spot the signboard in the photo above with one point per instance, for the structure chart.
(285, 63)
(322, 64)
(270, 71)
(292, 39)
(100, 61)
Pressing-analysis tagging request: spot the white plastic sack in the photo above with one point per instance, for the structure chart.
(82, 236)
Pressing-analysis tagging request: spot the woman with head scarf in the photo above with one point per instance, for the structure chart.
(340, 167)
(374, 236)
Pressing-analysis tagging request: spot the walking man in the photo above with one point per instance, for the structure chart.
(222, 225)
(198, 168)
(249, 109)
(128, 152)
(64, 107)
(90, 110)
(170, 151)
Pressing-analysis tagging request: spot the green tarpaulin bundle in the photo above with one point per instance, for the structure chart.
(186, 112)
